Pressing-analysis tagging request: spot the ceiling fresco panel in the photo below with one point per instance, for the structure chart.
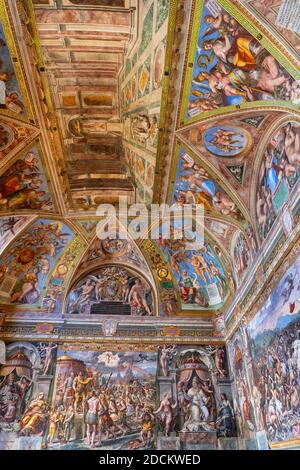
(268, 12)
(195, 184)
(15, 95)
(230, 145)
(28, 261)
(230, 67)
(197, 268)
(10, 94)
(278, 175)
(25, 185)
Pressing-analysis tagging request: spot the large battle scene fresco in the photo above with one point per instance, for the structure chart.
(274, 336)
(264, 360)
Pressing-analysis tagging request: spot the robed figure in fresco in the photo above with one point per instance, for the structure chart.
(225, 422)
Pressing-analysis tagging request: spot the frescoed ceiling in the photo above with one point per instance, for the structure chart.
(176, 102)
(84, 51)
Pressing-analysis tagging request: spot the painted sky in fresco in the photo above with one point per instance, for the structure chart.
(10, 227)
(116, 363)
(278, 305)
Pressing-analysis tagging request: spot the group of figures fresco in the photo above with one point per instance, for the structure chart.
(232, 67)
(103, 400)
(113, 284)
(196, 268)
(195, 407)
(24, 186)
(194, 185)
(274, 336)
(279, 173)
(225, 141)
(24, 404)
(50, 398)
(10, 96)
(30, 258)
(265, 361)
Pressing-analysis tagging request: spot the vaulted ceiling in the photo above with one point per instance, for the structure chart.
(161, 101)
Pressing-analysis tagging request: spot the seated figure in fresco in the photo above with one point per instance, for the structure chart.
(199, 414)
(12, 396)
(187, 288)
(35, 417)
(29, 293)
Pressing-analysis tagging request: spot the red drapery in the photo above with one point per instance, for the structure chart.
(186, 374)
(20, 371)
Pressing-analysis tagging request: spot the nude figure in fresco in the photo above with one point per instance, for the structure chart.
(138, 295)
(165, 413)
(91, 418)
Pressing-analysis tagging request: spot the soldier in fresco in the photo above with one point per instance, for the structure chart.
(81, 385)
(91, 417)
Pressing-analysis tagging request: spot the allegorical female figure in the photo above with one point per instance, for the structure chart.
(225, 421)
